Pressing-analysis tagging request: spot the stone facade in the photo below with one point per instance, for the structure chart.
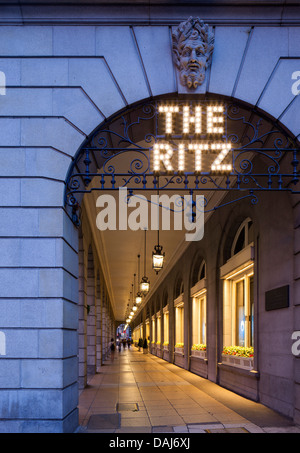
(62, 81)
(273, 380)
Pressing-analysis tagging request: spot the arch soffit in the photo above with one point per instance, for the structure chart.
(198, 258)
(178, 286)
(165, 297)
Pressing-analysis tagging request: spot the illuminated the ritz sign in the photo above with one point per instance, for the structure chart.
(194, 130)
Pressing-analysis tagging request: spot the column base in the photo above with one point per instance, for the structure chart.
(67, 425)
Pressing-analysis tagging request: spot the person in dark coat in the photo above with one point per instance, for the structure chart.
(145, 346)
(140, 344)
(112, 349)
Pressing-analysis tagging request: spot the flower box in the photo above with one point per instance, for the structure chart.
(166, 346)
(199, 350)
(245, 363)
(199, 354)
(179, 349)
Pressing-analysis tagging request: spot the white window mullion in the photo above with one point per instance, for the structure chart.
(247, 311)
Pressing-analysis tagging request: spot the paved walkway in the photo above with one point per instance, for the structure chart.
(140, 393)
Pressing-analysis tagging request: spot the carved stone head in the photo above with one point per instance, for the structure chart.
(193, 43)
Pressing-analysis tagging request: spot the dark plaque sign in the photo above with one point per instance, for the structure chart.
(277, 298)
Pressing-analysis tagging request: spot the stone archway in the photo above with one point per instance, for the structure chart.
(50, 118)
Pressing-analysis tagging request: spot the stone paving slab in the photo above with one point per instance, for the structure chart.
(149, 395)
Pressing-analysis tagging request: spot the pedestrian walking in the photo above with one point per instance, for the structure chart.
(145, 346)
(140, 344)
(112, 349)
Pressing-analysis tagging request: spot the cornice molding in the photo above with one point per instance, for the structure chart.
(97, 12)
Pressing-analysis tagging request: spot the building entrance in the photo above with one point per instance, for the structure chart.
(238, 159)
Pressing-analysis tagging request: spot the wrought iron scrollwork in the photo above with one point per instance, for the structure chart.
(118, 154)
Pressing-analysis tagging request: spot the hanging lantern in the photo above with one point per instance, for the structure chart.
(138, 298)
(157, 258)
(144, 284)
(157, 255)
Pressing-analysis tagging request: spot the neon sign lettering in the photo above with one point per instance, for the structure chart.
(191, 129)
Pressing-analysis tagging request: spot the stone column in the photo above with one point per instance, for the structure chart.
(104, 339)
(296, 307)
(187, 315)
(91, 316)
(171, 323)
(38, 320)
(98, 323)
(82, 315)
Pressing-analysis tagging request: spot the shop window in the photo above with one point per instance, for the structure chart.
(202, 271)
(199, 271)
(166, 326)
(158, 329)
(138, 333)
(179, 318)
(179, 315)
(199, 319)
(198, 294)
(147, 329)
(238, 295)
(153, 340)
(243, 237)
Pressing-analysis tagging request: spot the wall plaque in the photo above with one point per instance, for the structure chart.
(277, 298)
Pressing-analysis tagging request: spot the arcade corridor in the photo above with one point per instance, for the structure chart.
(141, 393)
